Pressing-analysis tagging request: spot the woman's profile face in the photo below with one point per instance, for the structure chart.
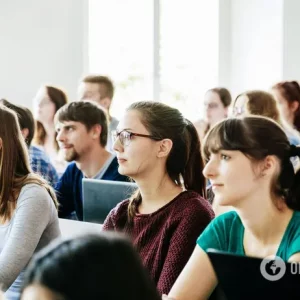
(44, 107)
(215, 110)
(285, 109)
(136, 155)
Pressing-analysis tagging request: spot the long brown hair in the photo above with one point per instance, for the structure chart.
(59, 98)
(15, 170)
(257, 137)
(184, 163)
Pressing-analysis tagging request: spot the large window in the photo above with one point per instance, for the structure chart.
(164, 50)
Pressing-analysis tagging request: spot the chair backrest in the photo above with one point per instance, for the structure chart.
(101, 196)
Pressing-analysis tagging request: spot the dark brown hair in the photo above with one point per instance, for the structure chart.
(74, 267)
(106, 87)
(59, 98)
(224, 95)
(258, 137)
(290, 91)
(25, 118)
(184, 162)
(86, 112)
(15, 170)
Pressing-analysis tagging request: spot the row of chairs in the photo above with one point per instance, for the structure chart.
(101, 196)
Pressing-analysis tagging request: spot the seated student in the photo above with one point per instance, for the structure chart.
(39, 161)
(216, 104)
(263, 104)
(160, 149)
(101, 90)
(82, 135)
(28, 207)
(265, 195)
(287, 95)
(103, 266)
(47, 102)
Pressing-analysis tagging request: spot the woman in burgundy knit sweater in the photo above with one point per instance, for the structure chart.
(160, 150)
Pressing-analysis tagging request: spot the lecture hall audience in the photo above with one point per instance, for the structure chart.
(161, 234)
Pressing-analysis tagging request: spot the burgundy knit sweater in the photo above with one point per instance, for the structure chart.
(166, 238)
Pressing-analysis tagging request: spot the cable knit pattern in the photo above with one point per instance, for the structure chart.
(166, 238)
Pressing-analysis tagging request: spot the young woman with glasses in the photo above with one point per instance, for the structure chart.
(160, 150)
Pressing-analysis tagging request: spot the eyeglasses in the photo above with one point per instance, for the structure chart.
(126, 136)
(211, 105)
(237, 111)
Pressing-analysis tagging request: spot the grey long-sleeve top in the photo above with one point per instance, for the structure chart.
(33, 225)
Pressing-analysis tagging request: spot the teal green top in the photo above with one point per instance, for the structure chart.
(226, 233)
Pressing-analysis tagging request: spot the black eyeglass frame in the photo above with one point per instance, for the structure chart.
(116, 135)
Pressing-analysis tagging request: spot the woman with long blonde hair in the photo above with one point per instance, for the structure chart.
(28, 207)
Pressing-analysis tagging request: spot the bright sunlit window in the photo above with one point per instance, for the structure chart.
(182, 52)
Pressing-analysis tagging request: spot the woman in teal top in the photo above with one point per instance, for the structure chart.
(249, 167)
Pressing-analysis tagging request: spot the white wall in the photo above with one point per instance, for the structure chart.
(225, 43)
(291, 40)
(256, 44)
(46, 42)
(41, 42)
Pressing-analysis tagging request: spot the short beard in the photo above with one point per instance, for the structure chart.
(71, 156)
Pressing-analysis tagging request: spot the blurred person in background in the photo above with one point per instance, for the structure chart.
(287, 95)
(47, 102)
(216, 104)
(39, 160)
(101, 90)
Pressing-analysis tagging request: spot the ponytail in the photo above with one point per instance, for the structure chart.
(134, 201)
(192, 175)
